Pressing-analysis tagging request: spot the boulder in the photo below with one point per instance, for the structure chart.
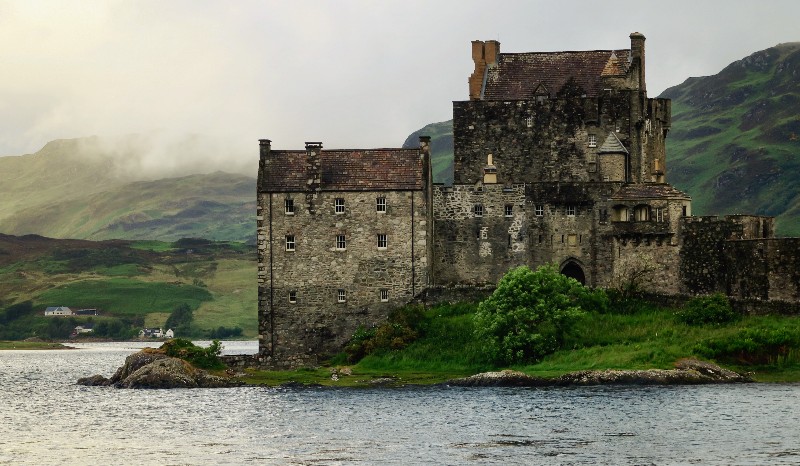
(687, 372)
(153, 369)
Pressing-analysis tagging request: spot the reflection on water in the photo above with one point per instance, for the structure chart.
(45, 418)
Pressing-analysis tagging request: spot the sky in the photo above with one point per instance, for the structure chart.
(204, 80)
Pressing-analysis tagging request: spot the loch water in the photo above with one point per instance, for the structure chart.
(46, 418)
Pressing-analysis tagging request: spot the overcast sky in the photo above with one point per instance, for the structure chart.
(352, 74)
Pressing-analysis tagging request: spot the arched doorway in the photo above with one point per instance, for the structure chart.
(573, 270)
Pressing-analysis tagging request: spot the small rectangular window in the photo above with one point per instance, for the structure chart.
(571, 210)
(592, 140)
(288, 206)
(539, 210)
(382, 242)
(380, 205)
(341, 242)
(509, 210)
(290, 242)
(341, 296)
(293, 297)
(683, 211)
(384, 296)
(659, 214)
(339, 205)
(478, 210)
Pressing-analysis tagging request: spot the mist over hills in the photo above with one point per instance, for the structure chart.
(734, 146)
(93, 189)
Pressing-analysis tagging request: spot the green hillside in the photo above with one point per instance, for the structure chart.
(441, 149)
(132, 283)
(734, 145)
(77, 189)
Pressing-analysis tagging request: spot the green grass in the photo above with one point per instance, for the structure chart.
(122, 296)
(30, 345)
(648, 339)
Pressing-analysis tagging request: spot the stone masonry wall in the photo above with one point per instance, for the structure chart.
(317, 324)
(763, 268)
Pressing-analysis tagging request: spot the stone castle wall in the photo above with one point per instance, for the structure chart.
(317, 323)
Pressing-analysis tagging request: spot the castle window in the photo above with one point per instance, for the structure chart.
(341, 242)
(659, 214)
(603, 215)
(509, 210)
(380, 205)
(384, 295)
(683, 211)
(592, 140)
(338, 204)
(382, 241)
(539, 210)
(341, 296)
(477, 209)
(570, 210)
(529, 122)
(290, 242)
(288, 206)
(293, 297)
(641, 213)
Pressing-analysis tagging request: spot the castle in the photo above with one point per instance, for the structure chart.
(559, 157)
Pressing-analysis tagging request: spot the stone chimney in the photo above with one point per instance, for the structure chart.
(425, 145)
(637, 54)
(489, 171)
(264, 145)
(313, 174)
(483, 54)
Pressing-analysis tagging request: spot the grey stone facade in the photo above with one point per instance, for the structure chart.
(559, 158)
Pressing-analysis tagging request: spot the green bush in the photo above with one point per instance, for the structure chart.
(529, 314)
(204, 358)
(713, 309)
(754, 346)
(402, 328)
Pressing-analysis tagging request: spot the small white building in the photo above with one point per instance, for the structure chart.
(58, 311)
(169, 334)
(151, 333)
(84, 328)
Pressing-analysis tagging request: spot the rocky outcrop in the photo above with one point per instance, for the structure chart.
(686, 372)
(153, 369)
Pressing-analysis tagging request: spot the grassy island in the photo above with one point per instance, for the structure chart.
(609, 331)
(31, 345)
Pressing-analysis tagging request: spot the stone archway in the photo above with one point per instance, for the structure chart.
(573, 270)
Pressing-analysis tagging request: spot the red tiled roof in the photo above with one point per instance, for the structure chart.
(349, 169)
(517, 75)
(648, 191)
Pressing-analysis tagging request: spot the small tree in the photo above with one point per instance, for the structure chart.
(529, 314)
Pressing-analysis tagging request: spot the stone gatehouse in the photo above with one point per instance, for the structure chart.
(559, 157)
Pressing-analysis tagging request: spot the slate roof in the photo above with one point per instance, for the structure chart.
(639, 191)
(517, 75)
(345, 170)
(612, 145)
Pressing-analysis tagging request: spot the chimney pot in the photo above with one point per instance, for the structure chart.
(264, 146)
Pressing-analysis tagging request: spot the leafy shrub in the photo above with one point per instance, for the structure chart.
(180, 320)
(402, 328)
(530, 312)
(224, 332)
(713, 309)
(204, 358)
(15, 311)
(754, 346)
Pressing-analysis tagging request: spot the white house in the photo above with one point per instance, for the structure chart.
(58, 311)
(169, 334)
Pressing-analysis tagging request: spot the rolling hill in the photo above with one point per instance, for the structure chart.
(77, 189)
(735, 139)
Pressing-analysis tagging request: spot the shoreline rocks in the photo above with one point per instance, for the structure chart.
(153, 369)
(686, 372)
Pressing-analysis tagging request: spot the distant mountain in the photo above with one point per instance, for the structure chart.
(441, 149)
(734, 145)
(735, 139)
(76, 189)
